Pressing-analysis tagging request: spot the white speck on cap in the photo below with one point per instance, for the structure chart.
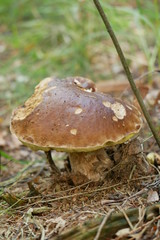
(107, 104)
(119, 110)
(129, 107)
(115, 118)
(77, 82)
(49, 89)
(88, 90)
(73, 131)
(78, 111)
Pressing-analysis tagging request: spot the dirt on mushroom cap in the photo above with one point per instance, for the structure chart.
(66, 117)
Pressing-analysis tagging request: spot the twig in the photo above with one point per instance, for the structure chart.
(53, 199)
(116, 222)
(102, 224)
(126, 217)
(143, 228)
(104, 188)
(18, 177)
(142, 212)
(51, 163)
(127, 71)
(147, 73)
(63, 191)
(144, 190)
(76, 194)
(10, 207)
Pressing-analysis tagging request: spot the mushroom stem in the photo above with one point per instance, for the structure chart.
(89, 165)
(51, 163)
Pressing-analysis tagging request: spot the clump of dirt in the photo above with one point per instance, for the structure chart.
(129, 161)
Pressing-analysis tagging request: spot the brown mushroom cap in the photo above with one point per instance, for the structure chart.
(64, 116)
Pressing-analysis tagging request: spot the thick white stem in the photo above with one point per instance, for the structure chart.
(90, 165)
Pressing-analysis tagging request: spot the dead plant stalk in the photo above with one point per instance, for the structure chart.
(126, 69)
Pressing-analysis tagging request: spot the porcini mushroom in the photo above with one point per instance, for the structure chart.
(69, 115)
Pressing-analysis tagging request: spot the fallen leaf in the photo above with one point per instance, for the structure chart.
(153, 158)
(152, 98)
(152, 196)
(12, 199)
(60, 224)
(123, 232)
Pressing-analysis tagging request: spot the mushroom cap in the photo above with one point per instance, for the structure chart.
(67, 116)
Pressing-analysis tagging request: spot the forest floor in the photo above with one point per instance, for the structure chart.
(36, 204)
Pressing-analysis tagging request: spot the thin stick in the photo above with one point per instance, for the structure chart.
(51, 163)
(126, 217)
(127, 71)
(102, 224)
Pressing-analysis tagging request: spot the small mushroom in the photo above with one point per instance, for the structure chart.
(69, 115)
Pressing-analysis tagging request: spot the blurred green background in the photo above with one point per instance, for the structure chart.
(65, 38)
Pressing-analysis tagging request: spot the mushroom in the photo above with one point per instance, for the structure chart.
(68, 115)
